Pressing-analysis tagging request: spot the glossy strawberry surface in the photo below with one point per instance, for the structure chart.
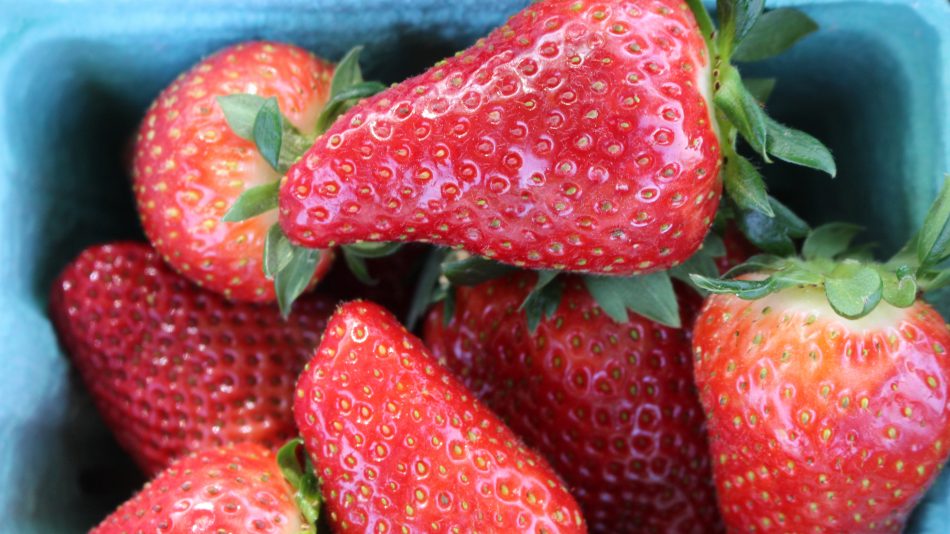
(172, 367)
(612, 406)
(229, 489)
(577, 136)
(819, 423)
(402, 446)
(189, 167)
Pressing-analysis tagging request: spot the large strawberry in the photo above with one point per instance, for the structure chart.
(610, 404)
(826, 383)
(231, 489)
(190, 167)
(402, 446)
(173, 367)
(581, 135)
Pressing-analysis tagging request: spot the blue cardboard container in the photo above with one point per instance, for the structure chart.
(75, 77)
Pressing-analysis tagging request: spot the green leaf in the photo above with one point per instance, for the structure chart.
(736, 20)
(347, 72)
(742, 109)
(760, 88)
(474, 270)
(933, 243)
(303, 479)
(357, 266)
(772, 234)
(373, 250)
(268, 132)
(278, 251)
(240, 111)
(899, 289)
(422, 297)
(700, 264)
(650, 295)
(745, 289)
(713, 246)
(745, 186)
(829, 240)
(291, 281)
(853, 290)
(794, 146)
(543, 300)
(774, 33)
(337, 104)
(448, 306)
(759, 262)
(253, 202)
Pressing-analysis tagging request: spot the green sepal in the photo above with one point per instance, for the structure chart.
(794, 146)
(339, 103)
(448, 305)
(760, 88)
(741, 109)
(278, 251)
(253, 202)
(736, 20)
(900, 288)
(829, 240)
(772, 234)
(426, 286)
(759, 262)
(268, 132)
(373, 250)
(702, 262)
(543, 300)
(347, 72)
(240, 111)
(933, 241)
(357, 265)
(774, 32)
(474, 270)
(291, 281)
(853, 289)
(649, 295)
(303, 479)
(745, 186)
(744, 289)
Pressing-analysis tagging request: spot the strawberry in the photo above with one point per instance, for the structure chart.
(826, 384)
(401, 445)
(580, 135)
(190, 167)
(173, 367)
(611, 405)
(240, 488)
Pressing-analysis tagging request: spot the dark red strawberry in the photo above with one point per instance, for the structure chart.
(580, 136)
(825, 381)
(190, 167)
(175, 368)
(402, 446)
(612, 406)
(229, 489)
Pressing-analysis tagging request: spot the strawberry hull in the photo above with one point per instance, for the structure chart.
(76, 77)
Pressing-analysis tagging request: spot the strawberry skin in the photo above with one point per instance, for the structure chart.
(819, 423)
(401, 446)
(172, 367)
(612, 406)
(189, 167)
(578, 136)
(228, 489)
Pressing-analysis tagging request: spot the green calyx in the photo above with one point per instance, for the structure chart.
(746, 33)
(297, 469)
(259, 120)
(853, 284)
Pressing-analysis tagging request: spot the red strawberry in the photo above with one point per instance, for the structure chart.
(172, 367)
(828, 398)
(402, 446)
(819, 423)
(611, 405)
(228, 489)
(189, 166)
(572, 137)
(578, 136)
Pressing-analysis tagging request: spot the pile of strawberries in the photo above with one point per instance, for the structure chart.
(608, 343)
